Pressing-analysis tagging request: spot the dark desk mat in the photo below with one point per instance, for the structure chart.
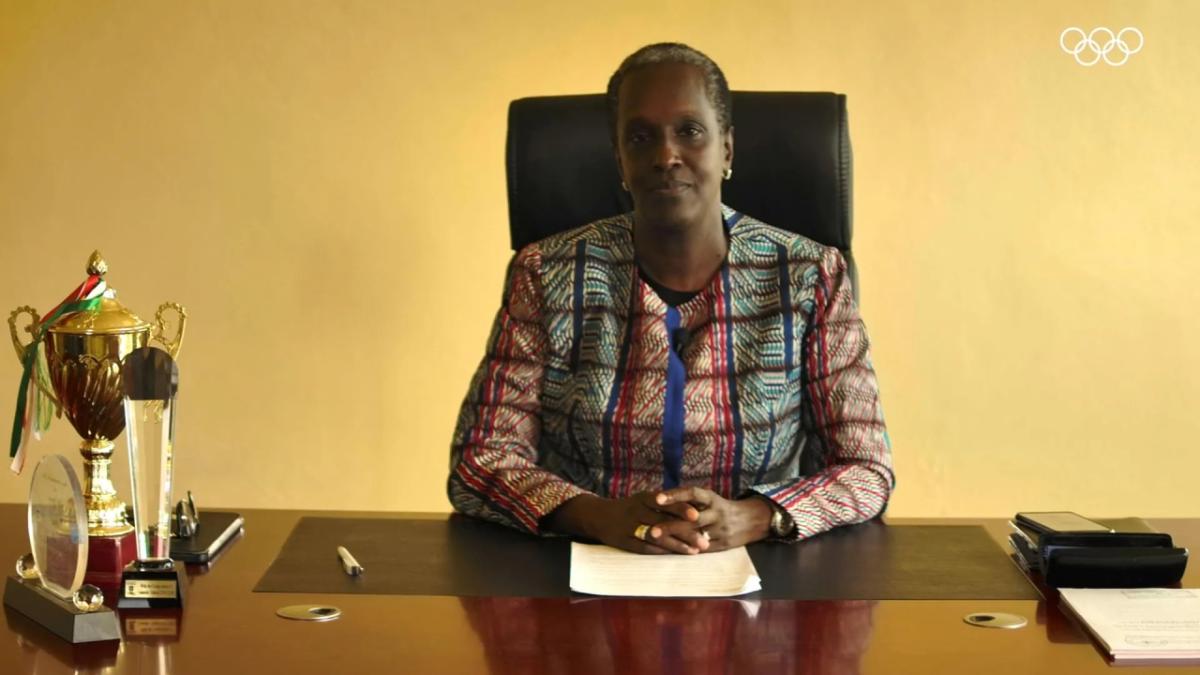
(465, 557)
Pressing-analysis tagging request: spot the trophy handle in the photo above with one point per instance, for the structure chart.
(12, 328)
(23, 349)
(160, 327)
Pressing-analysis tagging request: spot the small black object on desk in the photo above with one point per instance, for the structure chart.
(1098, 559)
(199, 543)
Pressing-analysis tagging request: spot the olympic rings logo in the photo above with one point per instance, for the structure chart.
(1088, 41)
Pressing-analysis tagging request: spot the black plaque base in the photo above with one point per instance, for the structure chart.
(147, 587)
(60, 616)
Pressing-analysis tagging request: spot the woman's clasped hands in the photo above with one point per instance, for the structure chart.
(686, 520)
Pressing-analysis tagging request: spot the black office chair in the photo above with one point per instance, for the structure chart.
(792, 165)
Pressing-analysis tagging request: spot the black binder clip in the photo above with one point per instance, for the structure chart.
(186, 520)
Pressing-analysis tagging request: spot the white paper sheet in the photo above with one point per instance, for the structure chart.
(602, 570)
(1146, 624)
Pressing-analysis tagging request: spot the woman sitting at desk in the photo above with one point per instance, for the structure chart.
(657, 380)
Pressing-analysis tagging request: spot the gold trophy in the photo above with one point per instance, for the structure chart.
(84, 351)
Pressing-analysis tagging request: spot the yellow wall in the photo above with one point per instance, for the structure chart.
(321, 183)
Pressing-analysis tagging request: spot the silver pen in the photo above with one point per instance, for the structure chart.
(349, 564)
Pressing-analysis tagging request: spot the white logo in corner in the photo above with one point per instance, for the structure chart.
(1088, 50)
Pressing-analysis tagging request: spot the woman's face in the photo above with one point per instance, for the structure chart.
(670, 147)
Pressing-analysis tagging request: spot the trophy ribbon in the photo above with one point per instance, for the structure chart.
(28, 419)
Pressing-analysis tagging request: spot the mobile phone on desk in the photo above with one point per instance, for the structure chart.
(1042, 522)
(215, 530)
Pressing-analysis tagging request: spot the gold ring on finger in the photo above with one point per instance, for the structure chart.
(641, 532)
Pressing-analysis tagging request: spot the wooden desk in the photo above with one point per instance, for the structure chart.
(228, 629)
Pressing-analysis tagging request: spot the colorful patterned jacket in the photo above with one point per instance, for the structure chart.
(591, 383)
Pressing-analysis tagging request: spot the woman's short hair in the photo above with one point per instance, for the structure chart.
(715, 85)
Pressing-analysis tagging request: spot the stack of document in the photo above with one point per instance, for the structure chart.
(1147, 625)
(601, 570)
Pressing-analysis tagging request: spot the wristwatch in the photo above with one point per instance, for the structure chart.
(782, 524)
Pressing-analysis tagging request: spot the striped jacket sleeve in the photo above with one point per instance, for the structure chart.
(493, 459)
(842, 415)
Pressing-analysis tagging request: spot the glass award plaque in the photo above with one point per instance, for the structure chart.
(49, 586)
(58, 526)
(150, 381)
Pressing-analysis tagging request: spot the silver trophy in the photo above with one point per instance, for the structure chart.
(150, 382)
(48, 586)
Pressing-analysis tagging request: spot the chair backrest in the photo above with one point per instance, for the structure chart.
(791, 165)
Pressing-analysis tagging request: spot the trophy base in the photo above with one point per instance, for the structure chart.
(146, 586)
(59, 616)
(107, 559)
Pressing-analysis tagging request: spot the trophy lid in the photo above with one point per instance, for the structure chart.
(110, 318)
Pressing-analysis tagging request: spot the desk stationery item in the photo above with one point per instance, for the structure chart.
(1098, 558)
(349, 564)
(209, 535)
(150, 382)
(603, 570)
(193, 542)
(72, 365)
(1146, 625)
(186, 518)
(49, 584)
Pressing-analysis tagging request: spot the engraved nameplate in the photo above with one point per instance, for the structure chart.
(150, 588)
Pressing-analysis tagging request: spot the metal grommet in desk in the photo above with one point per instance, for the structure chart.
(995, 620)
(309, 612)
